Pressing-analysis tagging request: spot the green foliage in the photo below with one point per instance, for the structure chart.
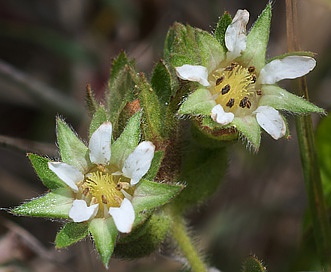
(121, 89)
(71, 233)
(257, 41)
(150, 195)
(143, 241)
(104, 234)
(253, 264)
(73, 151)
(221, 27)
(324, 155)
(99, 117)
(48, 177)
(55, 204)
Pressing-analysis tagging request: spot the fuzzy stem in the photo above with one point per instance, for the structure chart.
(308, 154)
(180, 234)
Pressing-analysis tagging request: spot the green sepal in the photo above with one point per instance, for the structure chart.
(55, 204)
(221, 27)
(72, 150)
(104, 233)
(281, 99)
(293, 53)
(121, 88)
(161, 82)
(91, 103)
(202, 171)
(99, 117)
(249, 128)
(209, 134)
(253, 264)
(149, 195)
(127, 141)
(324, 155)
(143, 241)
(153, 113)
(71, 233)
(181, 46)
(257, 41)
(48, 177)
(211, 53)
(155, 165)
(188, 45)
(200, 102)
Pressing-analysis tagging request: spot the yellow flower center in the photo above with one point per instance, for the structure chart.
(233, 87)
(104, 187)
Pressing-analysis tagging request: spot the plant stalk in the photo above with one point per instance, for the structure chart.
(180, 234)
(311, 171)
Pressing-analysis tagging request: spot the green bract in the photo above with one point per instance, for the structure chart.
(101, 216)
(236, 86)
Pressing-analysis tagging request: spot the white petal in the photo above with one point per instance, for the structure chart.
(288, 67)
(123, 216)
(271, 121)
(235, 34)
(80, 212)
(195, 73)
(68, 174)
(220, 116)
(100, 143)
(139, 161)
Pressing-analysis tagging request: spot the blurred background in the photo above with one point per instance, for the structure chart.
(50, 50)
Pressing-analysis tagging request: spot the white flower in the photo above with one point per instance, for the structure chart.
(106, 188)
(237, 88)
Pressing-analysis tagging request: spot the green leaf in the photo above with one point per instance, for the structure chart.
(99, 117)
(143, 241)
(281, 99)
(55, 204)
(221, 27)
(121, 88)
(200, 102)
(71, 233)
(253, 264)
(211, 53)
(126, 142)
(250, 129)
(155, 165)
(162, 82)
(324, 155)
(104, 233)
(149, 195)
(48, 177)
(257, 41)
(73, 151)
(202, 170)
(181, 46)
(153, 116)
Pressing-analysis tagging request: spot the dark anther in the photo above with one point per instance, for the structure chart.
(86, 191)
(219, 80)
(226, 89)
(259, 92)
(229, 68)
(118, 186)
(254, 78)
(248, 104)
(230, 103)
(251, 69)
(104, 199)
(243, 102)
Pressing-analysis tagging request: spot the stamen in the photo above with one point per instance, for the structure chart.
(230, 103)
(251, 69)
(226, 89)
(219, 80)
(243, 102)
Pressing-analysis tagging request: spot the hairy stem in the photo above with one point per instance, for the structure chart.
(308, 154)
(180, 234)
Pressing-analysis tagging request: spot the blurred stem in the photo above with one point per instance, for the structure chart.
(308, 154)
(180, 234)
